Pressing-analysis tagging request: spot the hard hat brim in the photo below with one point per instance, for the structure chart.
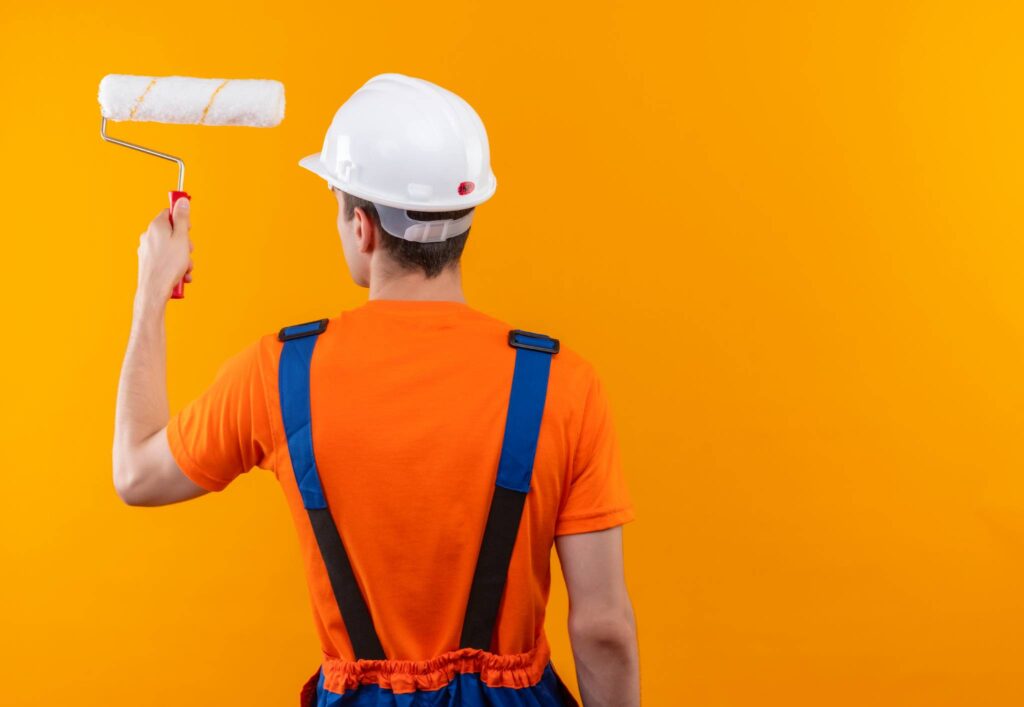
(483, 192)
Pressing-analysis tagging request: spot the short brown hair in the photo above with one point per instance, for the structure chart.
(431, 258)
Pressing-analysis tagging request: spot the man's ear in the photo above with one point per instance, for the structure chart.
(365, 231)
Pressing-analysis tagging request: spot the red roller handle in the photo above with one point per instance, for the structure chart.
(179, 288)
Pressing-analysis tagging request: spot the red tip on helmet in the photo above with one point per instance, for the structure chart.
(466, 188)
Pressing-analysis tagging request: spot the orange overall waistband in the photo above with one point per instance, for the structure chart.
(517, 670)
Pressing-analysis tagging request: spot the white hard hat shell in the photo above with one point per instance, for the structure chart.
(407, 143)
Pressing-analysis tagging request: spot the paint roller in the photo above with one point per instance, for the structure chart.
(190, 101)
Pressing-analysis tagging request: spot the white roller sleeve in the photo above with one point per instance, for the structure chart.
(180, 99)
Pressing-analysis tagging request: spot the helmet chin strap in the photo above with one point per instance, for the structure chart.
(397, 222)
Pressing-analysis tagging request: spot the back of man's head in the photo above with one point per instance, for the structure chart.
(414, 157)
(431, 258)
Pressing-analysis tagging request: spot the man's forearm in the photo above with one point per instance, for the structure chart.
(607, 663)
(142, 408)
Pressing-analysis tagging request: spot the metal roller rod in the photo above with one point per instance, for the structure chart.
(140, 148)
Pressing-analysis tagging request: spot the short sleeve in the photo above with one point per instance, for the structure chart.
(598, 497)
(225, 431)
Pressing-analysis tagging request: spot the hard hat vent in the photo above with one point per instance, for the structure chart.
(466, 188)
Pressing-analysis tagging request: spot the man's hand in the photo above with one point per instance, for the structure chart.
(164, 256)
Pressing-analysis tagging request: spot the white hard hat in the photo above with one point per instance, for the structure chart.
(409, 144)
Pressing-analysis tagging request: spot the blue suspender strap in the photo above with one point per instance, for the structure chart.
(515, 469)
(525, 408)
(293, 383)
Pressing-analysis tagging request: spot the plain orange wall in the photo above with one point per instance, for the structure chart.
(787, 234)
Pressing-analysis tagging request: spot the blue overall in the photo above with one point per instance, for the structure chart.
(512, 484)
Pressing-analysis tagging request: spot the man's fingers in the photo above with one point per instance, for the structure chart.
(181, 216)
(160, 224)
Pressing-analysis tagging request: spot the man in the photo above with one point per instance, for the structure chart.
(430, 456)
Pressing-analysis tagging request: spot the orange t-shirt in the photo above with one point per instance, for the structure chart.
(408, 406)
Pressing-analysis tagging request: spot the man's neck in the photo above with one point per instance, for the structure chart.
(416, 286)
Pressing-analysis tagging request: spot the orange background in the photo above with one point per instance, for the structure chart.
(787, 235)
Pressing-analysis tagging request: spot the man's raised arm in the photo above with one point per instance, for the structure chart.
(145, 473)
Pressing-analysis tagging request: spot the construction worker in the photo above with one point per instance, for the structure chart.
(430, 454)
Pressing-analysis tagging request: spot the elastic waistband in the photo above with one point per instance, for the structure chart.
(516, 671)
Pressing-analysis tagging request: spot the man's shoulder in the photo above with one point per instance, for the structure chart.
(567, 364)
(568, 361)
